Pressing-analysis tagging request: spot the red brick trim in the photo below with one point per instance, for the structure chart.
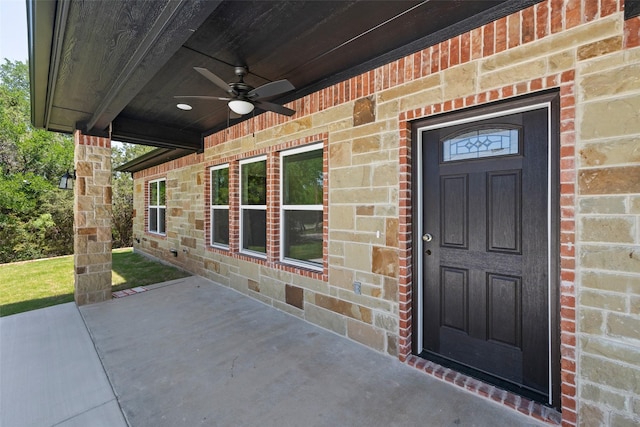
(95, 141)
(273, 206)
(567, 250)
(565, 81)
(514, 401)
(190, 160)
(632, 32)
(480, 46)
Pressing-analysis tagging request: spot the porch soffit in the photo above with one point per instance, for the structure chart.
(117, 65)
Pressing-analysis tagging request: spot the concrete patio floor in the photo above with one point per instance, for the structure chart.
(192, 353)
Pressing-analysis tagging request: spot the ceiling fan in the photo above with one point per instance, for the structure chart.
(243, 98)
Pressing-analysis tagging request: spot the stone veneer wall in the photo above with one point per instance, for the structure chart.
(608, 231)
(92, 219)
(584, 49)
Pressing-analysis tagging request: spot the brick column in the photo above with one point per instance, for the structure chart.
(92, 219)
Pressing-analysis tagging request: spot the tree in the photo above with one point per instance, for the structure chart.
(122, 186)
(35, 218)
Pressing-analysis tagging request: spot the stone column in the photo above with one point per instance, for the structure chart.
(92, 219)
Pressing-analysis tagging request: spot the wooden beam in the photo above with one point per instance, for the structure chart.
(154, 134)
(170, 31)
(153, 158)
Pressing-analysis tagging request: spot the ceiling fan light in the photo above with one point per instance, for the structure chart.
(240, 106)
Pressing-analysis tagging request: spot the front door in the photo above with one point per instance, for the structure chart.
(485, 249)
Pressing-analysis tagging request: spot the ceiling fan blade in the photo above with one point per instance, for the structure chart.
(270, 106)
(271, 89)
(214, 79)
(208, 98)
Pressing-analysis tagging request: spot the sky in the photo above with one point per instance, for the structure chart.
(13, 30)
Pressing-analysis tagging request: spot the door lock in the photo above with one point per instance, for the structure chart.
(427, 237)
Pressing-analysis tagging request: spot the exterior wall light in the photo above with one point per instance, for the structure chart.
(66, 182)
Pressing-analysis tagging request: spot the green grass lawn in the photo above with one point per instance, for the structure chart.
(36, 284)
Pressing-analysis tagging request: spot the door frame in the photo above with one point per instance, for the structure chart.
(549, 100)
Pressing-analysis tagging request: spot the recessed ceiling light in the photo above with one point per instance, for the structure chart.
(185, 107)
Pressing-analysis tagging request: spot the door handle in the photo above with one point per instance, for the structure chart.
(427, 237)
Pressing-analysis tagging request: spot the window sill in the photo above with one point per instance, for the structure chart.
(252, 254)
(291, 263)
(220, 247)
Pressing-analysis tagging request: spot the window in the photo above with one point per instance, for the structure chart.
(301, 208)
(253, 205)
(220, 206)
(157, 206)
(482, 142)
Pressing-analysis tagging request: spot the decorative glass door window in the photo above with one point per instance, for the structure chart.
(481, 142)
(253, 205)
(157, 206)
(301, 208)
(220, 206)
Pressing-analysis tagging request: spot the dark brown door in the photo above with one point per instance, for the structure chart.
(485, 249)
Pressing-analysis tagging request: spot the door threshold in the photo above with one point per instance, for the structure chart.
(487, 378)
(473, 384)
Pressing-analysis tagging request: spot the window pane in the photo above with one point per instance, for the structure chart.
(481, 143)
(153, 220)
(161, 220)
(254, 183)
(302, 178)
(220, 226)
(162, 198)
(303, 236)
(254, 230)
(220, 187)
(153, 193)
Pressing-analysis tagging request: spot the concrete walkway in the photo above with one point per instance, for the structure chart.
(50, 374)
(192, 353)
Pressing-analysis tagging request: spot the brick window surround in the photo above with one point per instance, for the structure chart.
(159, 207)
(272, 258)
(210, 239)
(147, 194)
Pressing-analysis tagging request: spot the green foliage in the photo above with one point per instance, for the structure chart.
(131, 269)
(254, 183)
(35, 217)
(122, 190)
(24, 149)
(303, 178)
(32, 285)
(220, 186)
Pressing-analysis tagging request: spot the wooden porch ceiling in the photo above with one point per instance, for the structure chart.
(119, 63)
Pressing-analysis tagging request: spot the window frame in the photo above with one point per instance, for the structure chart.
(318, 146)
(213, 207)
(242, 207)
(158, 207)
